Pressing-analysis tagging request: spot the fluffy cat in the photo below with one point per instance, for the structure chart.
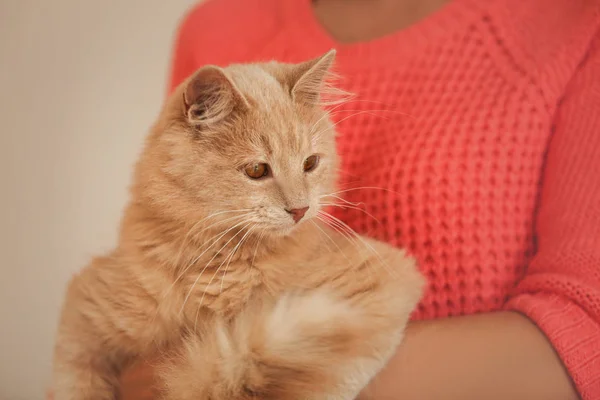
(224, 256)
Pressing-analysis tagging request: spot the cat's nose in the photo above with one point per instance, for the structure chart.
(297, 213)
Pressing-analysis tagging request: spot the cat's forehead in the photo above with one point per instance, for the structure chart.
(281, 134)
(260, 86)
(283, 129)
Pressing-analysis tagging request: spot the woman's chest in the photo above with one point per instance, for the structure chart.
(449, 166)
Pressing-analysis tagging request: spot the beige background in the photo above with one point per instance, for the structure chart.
(80, 83)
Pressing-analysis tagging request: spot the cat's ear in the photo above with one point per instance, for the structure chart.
(310, 79)
(210, 96)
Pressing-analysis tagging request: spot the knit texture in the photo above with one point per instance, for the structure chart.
(475, 140)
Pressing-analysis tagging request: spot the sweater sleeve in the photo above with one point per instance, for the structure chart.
(561, 289)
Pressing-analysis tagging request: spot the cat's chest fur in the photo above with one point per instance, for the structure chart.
(219, 290)
(225, 288)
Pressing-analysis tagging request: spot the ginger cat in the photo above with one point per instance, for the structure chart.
(225, 255)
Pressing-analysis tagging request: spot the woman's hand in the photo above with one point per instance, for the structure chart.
(138, 383)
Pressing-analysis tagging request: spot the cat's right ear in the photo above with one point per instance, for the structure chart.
(210, 96)
(311, 82)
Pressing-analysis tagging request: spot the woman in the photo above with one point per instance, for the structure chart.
(481, 120)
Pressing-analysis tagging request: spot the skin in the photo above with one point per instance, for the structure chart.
(349, 21)
(489, 356)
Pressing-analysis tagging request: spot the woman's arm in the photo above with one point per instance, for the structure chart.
(552, 320)
(495, 356)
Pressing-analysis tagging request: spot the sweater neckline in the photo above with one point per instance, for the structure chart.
(435, 27)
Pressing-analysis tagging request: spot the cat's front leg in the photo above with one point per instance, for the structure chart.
(383, 287)
(106, 321)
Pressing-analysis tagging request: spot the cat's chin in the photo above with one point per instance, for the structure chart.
(287, 230)
(293, 229)
(281, 231)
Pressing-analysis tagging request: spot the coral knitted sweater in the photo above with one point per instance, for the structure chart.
(486, 138)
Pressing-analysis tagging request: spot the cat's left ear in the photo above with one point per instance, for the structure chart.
(310, 78)
(211, 95)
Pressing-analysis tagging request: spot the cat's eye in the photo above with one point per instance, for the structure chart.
(311, 163)
(257, 170)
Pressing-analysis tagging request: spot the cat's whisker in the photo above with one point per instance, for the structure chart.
(364, 188)
(327, 218)
(356, 100)
(252, 264)
(226, 219)
(232, 254)
(364, 242)
(181, 274)
(214, 241)
(326, 115)
(330, 239)
(221, 235)
(384, 264)
(183, 243)
(325, 234)
(349, 184)
(317, 135)
(352, 208)
(178, 259)
(350, 239)
(211, 260)
(343, 200)
(258, 241)
(334, 243)
(226, 259)
(350, 100)
(347, 204)
(375, 111)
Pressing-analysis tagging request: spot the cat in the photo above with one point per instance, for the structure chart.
(226, 256)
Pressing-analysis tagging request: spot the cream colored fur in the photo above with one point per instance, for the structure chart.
(212, 269)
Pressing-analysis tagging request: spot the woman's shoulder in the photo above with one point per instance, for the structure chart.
(543, 28)
(545, 40)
